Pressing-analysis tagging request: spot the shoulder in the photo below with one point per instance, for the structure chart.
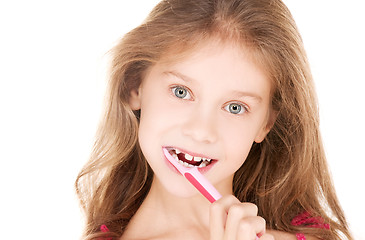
(279, 235)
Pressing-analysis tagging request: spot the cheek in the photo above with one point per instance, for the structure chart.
(238, 140)
(237, 153)
(149, 126)
(153, 113)
(155, 121)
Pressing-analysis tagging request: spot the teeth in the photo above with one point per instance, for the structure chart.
(185, 164)
(204, 161)
(207, 159)
(197, 159)
(203, 164)
(188, 157)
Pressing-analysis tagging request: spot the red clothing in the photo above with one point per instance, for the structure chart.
(309, 221)
(302, 219)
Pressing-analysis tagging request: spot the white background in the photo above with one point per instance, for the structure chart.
(52, 83)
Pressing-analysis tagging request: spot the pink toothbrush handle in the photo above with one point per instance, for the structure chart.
(196, 179)
(202, 185)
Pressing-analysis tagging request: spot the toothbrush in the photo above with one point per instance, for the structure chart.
(197, 179)
(193, 175)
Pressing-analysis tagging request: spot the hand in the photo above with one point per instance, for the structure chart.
(232, 220)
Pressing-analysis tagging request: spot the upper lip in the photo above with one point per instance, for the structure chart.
(194, 154)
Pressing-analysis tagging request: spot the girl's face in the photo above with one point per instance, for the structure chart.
(213, 104)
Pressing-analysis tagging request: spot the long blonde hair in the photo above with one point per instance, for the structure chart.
(288, 170)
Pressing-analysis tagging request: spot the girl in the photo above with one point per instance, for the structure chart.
(225, 85)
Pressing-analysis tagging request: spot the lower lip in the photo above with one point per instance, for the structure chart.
(201, 170)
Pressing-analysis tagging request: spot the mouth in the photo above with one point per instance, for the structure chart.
(188, 160)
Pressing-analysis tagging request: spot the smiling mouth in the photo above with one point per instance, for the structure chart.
(188, 160)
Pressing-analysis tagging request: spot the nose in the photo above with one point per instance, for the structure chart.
(200, 125)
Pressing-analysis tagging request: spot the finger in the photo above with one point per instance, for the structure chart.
(218, 216)
(236, 214)
(250, 227)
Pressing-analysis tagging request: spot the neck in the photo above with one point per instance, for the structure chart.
(161, 211)
(178, 209)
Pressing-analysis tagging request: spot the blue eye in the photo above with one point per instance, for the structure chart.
(235, 108)
(181, 92)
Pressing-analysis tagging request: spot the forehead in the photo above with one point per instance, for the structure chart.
(217, 67)
(179, 53)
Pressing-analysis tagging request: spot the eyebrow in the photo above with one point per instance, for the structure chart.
(235, 93)
(181, 76)
(247, 94)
